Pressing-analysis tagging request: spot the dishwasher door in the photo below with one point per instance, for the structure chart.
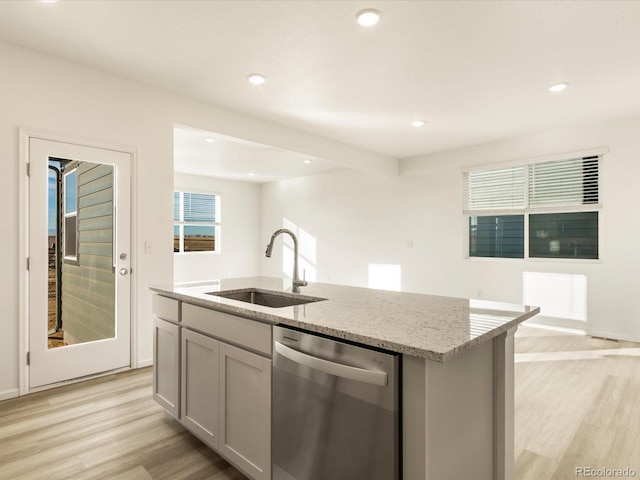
(335, 410)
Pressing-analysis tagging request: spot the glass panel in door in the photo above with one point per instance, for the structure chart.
(81, 290)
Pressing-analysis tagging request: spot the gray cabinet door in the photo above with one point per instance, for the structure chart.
(245, 410)
(200, 370)
(166, 366)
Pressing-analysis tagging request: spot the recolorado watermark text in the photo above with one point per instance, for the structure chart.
(595, 472)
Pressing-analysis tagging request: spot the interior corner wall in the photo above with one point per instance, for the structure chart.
(415, 221)
(239, 232)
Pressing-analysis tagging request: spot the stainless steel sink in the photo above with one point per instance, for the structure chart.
(266, 298)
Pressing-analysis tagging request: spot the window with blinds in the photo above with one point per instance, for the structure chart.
(540, 210)
(195, 222)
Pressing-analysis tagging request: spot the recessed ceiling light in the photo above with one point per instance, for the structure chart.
(210, 140)
(251, 174)
(558, 87)
(368, 17)
(256, 78)
(417, 123)
(307, 161)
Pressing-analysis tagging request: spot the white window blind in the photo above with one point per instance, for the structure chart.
(196, 207)
(564, 183)
(177, 209)
(502, 189)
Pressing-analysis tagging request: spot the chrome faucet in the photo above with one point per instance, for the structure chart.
(297, 283)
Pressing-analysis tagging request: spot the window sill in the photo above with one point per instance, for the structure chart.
(570, 261)
(196, 253)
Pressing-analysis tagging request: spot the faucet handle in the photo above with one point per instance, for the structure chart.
(301, 283)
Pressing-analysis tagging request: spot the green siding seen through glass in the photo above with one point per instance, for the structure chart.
(496, 236)
(199, 239)
(563, 235)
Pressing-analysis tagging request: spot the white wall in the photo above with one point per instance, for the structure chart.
(239, 233)
(42, 92)
(358, 218)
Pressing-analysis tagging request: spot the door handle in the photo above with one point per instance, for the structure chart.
(332, 368)
(123, 271)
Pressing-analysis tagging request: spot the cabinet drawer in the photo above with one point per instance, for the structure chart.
(240, 331)
(165, 308)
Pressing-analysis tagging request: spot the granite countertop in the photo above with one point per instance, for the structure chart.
(427, 326)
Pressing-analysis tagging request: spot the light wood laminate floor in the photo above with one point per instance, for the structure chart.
(105, 428)
(577, 405)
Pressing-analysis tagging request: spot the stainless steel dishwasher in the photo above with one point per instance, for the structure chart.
(335, 409)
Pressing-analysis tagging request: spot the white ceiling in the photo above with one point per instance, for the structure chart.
(236, 159)
(475, 71)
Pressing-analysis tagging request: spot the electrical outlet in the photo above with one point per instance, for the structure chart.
(148, 248)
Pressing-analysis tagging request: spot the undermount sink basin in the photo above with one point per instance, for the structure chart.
(266, 298)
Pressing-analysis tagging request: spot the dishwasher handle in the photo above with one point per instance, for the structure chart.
(332, 368)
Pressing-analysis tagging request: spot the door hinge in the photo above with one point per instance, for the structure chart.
(28, 358)
(28, 264)
(28, 169)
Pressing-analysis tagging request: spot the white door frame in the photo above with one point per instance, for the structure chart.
(23, 243)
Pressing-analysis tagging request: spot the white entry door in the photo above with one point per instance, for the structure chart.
(79, 261)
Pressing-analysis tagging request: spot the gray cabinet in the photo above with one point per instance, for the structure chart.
(245, 410)
(212, 372)
(166, 366)
(200, 386)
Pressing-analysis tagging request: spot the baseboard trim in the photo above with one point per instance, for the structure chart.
(576, 326)
(145, 363)
(561, 323)
(7, 394)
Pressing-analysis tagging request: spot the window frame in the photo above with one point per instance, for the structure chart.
(70, 259)
(216, 224)
(528, 211)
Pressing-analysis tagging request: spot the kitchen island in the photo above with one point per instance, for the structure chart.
(457, 363)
